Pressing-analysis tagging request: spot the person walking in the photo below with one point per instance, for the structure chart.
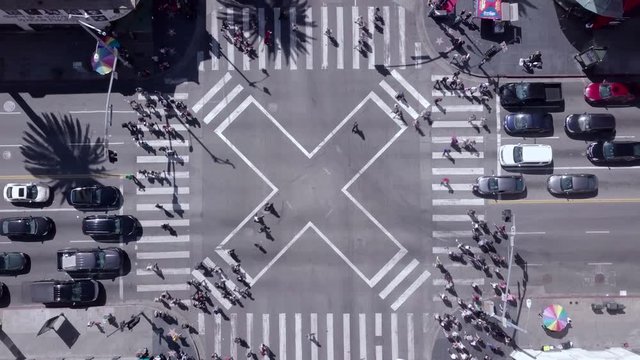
(355, 129)
(444, 182)
(446, 152)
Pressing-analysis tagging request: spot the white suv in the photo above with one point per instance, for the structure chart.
(525, 155)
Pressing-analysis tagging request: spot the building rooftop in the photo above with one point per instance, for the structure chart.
(67, 4)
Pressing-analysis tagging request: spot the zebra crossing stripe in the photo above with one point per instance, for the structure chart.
(443, 218)
(249, 327)
(171, 222)
(262, 54)
(234, 334)
(401, 44)
(457, 171)
(171, 175)
(176, 127)
(218, 334)
(439, 250)
(445, 92)
(168, 206)
(370, 26)
(362, 332)
(387, 88)
(346, 332)
(378, 324)
(309, 35)
(325, 39)
(161, 287)
(293, 61)
(222, 104)
(460, 108)
(457, 202)
(215, 292)
(282, 322)
(277, 40)
(215, 45)
(200, 60)
(167, 143)
(386, 15)
(340, 37)
(165, 271)
(394, 336)
(458, 155)
(354, 37)
(443, 282)
(410, 290)
(412, 90)
(417, 55)
(231, 50)
(246, 60)
(181, 190)
(265, 329)
(162, 255)
(211, 93)
(447, 139)
(451, 124)
(399, 278)
(454, 187)
(314, 329)
(163, 239)
(330, 337)
(410, 340)
(450, 234)
(298, 325)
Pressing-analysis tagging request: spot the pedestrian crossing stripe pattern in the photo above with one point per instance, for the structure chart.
(307, 47)
(347, 336)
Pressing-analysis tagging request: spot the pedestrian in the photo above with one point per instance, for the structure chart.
(231, 252)
(438, 262)
(328, 33)
(471, 119)
(483, 122)
(158, 206)
(129, 177)
(446, 152)
(354, 128)
(311, 337)
(444, 182)
(437, 100)
(267, 37)
(376, 15)
(455, 75)
(456, 58)
(268, 207)
(154, 267)
(400, 96)
(444, 80)
(258, 219)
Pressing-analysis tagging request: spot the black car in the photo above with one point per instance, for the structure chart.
(26, 227)
(95, 260)
(110, 225)
(65, 292)
(528, 124)
(95, 197)
(601, 125)
(613, 151)
(12, 262)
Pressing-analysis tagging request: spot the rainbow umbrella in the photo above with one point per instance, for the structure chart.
(110, 41)
(102, 61)
(554, 318)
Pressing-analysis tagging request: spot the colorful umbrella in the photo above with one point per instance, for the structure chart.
(554, 318)
(102, 61)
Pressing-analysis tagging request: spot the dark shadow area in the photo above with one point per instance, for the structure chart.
(5, 299)
(587, 195)
(68, 333)
(542, 170)
(590, 138)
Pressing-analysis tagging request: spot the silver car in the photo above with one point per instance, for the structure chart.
(571, 184)
(499, 185)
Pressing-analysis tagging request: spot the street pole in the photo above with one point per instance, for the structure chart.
(86, 28)
(512, 242)
(108, 108)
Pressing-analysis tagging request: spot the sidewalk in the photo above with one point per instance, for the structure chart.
(72, 339)
(540, 27)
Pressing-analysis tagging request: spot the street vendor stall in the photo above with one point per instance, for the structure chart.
(496, 13)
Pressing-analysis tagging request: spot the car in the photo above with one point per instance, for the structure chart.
(65, 292)
(499, 185)
(94, 260)
(97, 196)
(523, 124)
(26, 193)
(12, 262)
(525, 155)
(25, 227)
(613, 151)
(611, 93)
(602, 125)
(531, 95)
(110, 225)
(571, 184)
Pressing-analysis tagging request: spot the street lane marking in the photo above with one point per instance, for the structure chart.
(437, 155)
(212, 92)
(222, 104)
(170, 175)
(161, 159)
(411, 354)
(459, 108)
(389, 90)
(410, 290)
(164, 271)
(362, 333)
(282, 322)
(161, 287)
(394, 335)
(330, 345)
(314, 330)
(265, 329)
(455, 187)
(346, 335)
(157, 223)
(600, 263)
(447, 139)
(212, 289)
(401, 42)
(412, 90)
(457, 171)
(298, 325)
(162, 255)
(399, 278)
(181, 190)
(597, 232)
(444, 217)
(168, 206)
(569, 201)
(378, 324)
(443, 282)
(457, 202)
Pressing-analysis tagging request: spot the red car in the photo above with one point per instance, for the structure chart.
(611, 93)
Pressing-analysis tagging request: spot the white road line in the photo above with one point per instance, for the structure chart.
(201, 327)
(457, 171)
(455, 187)
(459, 282)
(160, 159)
(314, 329)
(168, 206)
(215, 51)
(450, 124)
(234, 332)
(450, 234)
(325, 39)
(277, 38)
(379, 355)
(410, 290)
(161, 287)
(362, 333)
(401, 42)
(457, 202)
(418, 55)
(249, 328)
(330, 345)
(597, 232)
(165, 271)
(162, 255)
(19, 210)
(282, 327)
(447, 139)
(181, 190)
(340, 37)
(215, 292)
(100, 112)
(218, 334)
(309, 35)
(246, 60)
(371, 26)
(231, 49)
(412, 90)
(298, 324)
(460, 108)
(172, 222)
(265, 332)
(498, 144)
(346, 335)
(378, 324)
(458, 155)
(222, 104)
(411, 353)
(443, 250)
(531, 232)
(389, 90)
(462, 218)
(166, 143)
(176, 127)
(293, 61)
(171, 175)
(445, 92)
(595, 168)
(398, 279)
(394, 335)
(355, 35)
(262, 56)
(386, 15)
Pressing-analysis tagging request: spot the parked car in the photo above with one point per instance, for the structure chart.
(611, 93)
(97, 196)
(499, 185)
(572, 184)
(65, 292)
(26, 193)
(613, 151)
(95, 260)
(601, 125)
(531, 95)
(528, 124)
(110, 225)
(26, 227)
(12, 262)
(524, 155)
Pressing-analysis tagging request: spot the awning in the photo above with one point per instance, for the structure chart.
(609, 8)
(489, 9)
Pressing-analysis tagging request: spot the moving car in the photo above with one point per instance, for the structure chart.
(531, 95)
(26, 193)
(613, 151)
(602, 125)
(65, 292)
(531, 124)
(97, 196)
(611, 93)
(95, 260)
(524, 155)
(12, 262)
(26, 227)
(571, 184)
(499, 185)
(110, 225)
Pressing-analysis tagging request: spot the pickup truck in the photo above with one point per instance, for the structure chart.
(534, 95)
(95, 260)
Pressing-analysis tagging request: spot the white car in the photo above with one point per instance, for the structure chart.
(26, 193)
(525, 155)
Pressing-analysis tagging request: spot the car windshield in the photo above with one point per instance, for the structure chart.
(608, 149)
(566, 183)
(521, 92)
(517, 154)
(605, 90)
(583, 123)
(493, 184)
(33, 227)
(100, 259)
(520, 122)
(76, 292)
(117, 225)
(32, 192)
(98, 196)
(3, 262)
(636, 150)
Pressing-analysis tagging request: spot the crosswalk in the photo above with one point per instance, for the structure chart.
(306, 47)
(343, 336)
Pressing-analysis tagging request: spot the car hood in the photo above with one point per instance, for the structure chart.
(595, 150)
(108, 195)
(554, 183)
(14, 261)
(572, 123)
(506, 154)
(592, 91)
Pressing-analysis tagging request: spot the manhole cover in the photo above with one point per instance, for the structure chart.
(9, 106)
(600, 278)
(6, 154)
(546, 278)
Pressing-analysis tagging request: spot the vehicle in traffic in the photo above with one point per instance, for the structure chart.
(95, 260)
(531, 95)
(525, 155)
(528, 124)
(12, 262)
(572, 184)
(26, 193)
(600, 125)
(499, 185)
(611, 93)
(97, 196)
(65, 292)
(613, 151)
(110, 225)
(26, 227)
